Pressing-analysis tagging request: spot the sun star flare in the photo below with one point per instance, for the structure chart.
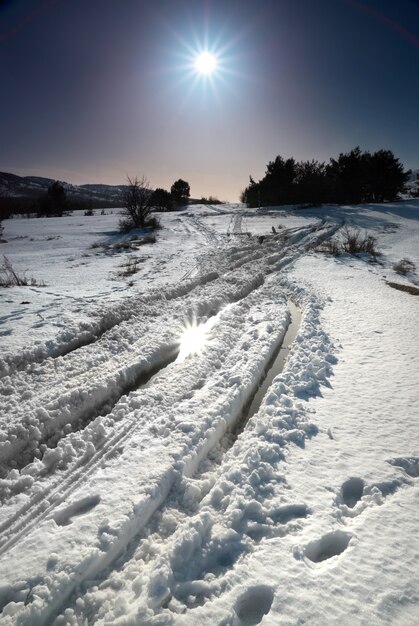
(206, 63)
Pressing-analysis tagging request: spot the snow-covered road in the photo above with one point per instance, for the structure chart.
(132, 494)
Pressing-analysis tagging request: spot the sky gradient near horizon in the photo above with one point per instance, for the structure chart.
(93, 91)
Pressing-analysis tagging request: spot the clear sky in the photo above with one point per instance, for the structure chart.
(93, 90)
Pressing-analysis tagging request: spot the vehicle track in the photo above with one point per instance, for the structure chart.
(113, 317)
(237, 224)
(209, 234)
(74, 409)
(273, 254)
(34, 511)
(189, 464)
(191, 518)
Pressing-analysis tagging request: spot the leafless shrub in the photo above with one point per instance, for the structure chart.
(330, 246)
(351, 241)
(130, 267)
(354, 242)
(10, 278)
(98, 244)
(136, 204)
(123, 245)
(128, 245)
(144, 240)
(404, 266)
(125, 224)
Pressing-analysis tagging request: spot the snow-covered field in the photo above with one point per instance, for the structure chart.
(136, 487)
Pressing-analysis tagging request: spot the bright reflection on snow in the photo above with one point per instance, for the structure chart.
(192, 340)
(194, 336)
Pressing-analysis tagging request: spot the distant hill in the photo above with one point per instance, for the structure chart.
(31, 187)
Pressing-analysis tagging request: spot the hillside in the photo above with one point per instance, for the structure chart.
(31, 187)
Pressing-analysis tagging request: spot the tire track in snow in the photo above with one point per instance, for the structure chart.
(237, 225)
(199, 586)
(106, 558)
(289, 243)
(125, 377)
(25, 518)
(85, 337)
(74, 410)
(210, 540)
(36, 510)
(103, 563)
(237, 259)
(208, 233)
(174, 503)
(216, 258)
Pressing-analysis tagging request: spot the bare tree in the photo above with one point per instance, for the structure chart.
(136, 203)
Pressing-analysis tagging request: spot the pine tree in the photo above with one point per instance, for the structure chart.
(180, 192)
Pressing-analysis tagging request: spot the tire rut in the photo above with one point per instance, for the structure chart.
(175, 500)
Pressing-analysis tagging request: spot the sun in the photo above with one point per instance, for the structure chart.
(205, 63)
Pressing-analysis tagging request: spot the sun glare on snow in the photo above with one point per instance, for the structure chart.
(193, 339)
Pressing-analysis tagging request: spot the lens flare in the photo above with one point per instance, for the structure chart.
(206, 63)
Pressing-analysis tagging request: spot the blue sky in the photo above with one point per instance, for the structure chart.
(93, 91)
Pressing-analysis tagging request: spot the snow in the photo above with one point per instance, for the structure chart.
(134, 488)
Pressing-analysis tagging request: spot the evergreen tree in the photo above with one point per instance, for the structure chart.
(348, 177)
(180, 192)
(54, 202)
(311, 183)
(277, 187)
(352, 178)
(387, 177)
(161, 200)
(251, 195)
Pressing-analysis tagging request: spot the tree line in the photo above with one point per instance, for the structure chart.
(55, 202)
(353, 178)
(139, 200)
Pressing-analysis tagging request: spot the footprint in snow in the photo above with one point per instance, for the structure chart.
(253, 605)
(330, 545)
(64, 517)
(409, 464)
(355, 495)
(258, 529)
(211, 565)
(351, 491)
